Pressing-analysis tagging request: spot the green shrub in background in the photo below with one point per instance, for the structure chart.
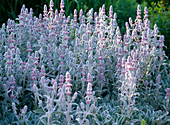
(160, 14)
(124, 10)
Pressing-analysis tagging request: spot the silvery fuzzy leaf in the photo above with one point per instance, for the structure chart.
(97, 121)
(79, 120)
(87, 121)
(82, 106)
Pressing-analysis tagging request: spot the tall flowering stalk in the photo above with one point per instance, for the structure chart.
(128, 88)
(12, 87)
(167, 98)
(22, 115)
(89, 94)
(68, 86)
(82, 111)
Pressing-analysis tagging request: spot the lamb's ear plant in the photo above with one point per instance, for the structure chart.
(80, 69)
(88, 109)
(21, 117)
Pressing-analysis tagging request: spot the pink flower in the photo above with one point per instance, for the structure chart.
(88, 101)
(89, 78)
(168, 92)
(12, 96)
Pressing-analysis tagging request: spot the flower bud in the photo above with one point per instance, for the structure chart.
(40, 103)
(12, 96)
(115, 16)
(89, 78)
(158, 78)
(12, 80)
(82, 105)
(68, 77)
(51, 4)
(62, 4)
(168, 92)
(42, 71)
(35, 89)
(74, 96)
(88, 99)
(81, 13)
(14, 108)
(145, 10)
(45, 8)
(36, 57)
(68, 90)
(61, 79)
(24, 110)
(138, 8)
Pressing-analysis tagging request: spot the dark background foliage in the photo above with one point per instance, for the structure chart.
(159, 11)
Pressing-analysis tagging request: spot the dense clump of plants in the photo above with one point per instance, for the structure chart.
(82, 70)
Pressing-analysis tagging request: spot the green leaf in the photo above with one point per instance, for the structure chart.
(96, 121)
(143, 122)
(39, 111)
